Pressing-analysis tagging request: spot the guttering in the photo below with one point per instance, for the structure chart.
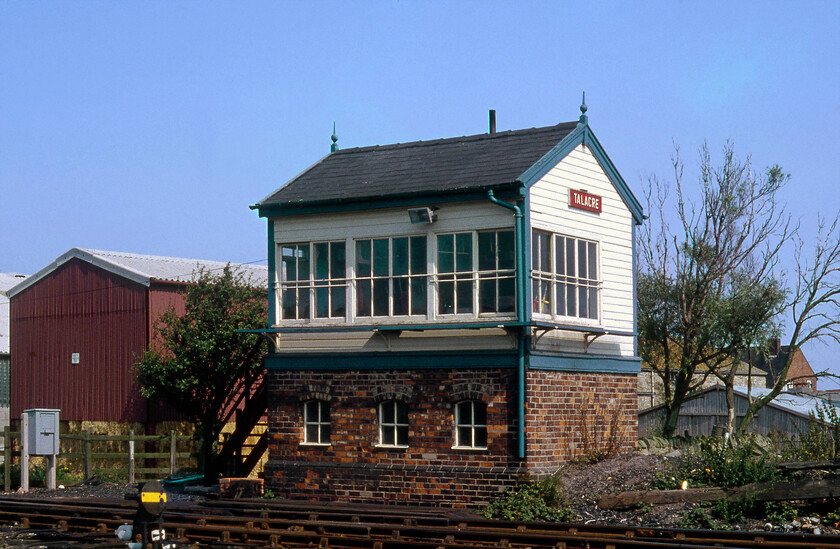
(520, 316)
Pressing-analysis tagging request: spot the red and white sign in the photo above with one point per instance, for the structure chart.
(584, 201)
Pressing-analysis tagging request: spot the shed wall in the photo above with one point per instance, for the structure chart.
(81, 309)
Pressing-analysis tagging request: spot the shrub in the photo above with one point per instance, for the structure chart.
(717, 462)
(820, 440)
(531, 500)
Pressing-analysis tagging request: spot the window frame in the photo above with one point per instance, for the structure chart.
(319, 423)
(575, 288)
(397, 428)
(391, 278)
(476, 277)
(472, 425)
(335, 283)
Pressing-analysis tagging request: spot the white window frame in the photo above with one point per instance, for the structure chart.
(310, 285)
(394, 427)
(474, 276)
(471, 424)
(317, 422)
(556, 277)
(390, 277)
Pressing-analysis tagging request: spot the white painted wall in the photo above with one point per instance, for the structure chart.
(612, 229)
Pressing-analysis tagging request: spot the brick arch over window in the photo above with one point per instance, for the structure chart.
(315, 392)
(470, 391)
(400, 393)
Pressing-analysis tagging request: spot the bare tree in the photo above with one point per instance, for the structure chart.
(813, 304)
(707, 289)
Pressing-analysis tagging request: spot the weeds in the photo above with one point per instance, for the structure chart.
(600, 427)
(820, 440)
(531, 500)
(716, 462)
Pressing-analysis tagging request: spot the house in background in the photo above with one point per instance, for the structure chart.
(79, 325)
(652, 390)
(448, 315)
(800, 376)
(7, 280)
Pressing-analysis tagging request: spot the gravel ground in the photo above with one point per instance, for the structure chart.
(583, 485)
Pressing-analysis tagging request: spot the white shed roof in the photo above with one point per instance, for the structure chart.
(144, 269)
(7, 280)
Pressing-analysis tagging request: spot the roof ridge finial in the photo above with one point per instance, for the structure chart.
(583, 118)
(334, 137)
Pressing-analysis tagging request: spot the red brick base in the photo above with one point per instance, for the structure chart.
(560, 409)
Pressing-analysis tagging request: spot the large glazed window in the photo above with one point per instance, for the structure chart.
(393, 423)
(471, 424)
(391, 277)
(564, 273)
(313, 280)
(316, 422)
(460, 270)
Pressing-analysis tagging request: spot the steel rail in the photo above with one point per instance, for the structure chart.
(263, 523)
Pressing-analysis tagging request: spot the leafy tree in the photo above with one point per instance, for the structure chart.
(707, 290)
(199, 355)
(712, 288)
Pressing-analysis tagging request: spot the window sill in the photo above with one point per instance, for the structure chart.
(390, 447)
(471, 448)
(317, 444)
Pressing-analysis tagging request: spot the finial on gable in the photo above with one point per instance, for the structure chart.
(583, 118)
(334, 137)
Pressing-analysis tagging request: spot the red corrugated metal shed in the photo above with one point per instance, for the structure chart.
(79, 325)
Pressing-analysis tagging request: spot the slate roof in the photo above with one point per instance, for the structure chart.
(145, 268)
(453, 164)
(7, 281)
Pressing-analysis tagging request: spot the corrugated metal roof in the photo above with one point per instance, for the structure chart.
(146, 268)
(7, 281)
(798, 403)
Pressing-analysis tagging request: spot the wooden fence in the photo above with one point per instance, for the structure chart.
(90, 452)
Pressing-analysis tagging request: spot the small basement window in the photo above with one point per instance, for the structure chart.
(471, 425)
(316, 422)
(393, 424)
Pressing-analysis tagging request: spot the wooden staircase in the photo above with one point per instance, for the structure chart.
(244, 448)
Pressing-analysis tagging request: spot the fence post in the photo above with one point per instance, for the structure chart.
(7, 459)
(86, 450)
(173, 447)
(131, 457)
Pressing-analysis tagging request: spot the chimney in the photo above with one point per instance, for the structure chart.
(492, 121)
(775, 346)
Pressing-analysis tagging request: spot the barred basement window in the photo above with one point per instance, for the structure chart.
(316, 422)
(393, 424)
(564, 273)
(471, 424)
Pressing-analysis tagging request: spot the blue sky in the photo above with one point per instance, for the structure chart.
(150, 127)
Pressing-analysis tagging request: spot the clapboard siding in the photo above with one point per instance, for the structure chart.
(612, 229)
(451, 340)
(460, 216)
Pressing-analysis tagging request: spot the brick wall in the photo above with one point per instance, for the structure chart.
(430, 471)
(570, 413)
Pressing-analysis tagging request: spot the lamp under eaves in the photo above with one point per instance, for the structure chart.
(422, 215)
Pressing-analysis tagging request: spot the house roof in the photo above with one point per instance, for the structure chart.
(7, 280)
(144, 269)
(453, 164)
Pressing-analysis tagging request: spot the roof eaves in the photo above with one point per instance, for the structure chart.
(84, 255)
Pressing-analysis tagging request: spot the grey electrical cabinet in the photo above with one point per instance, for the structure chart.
(43, 431)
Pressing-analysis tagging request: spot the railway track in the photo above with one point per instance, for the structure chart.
(265, 523)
